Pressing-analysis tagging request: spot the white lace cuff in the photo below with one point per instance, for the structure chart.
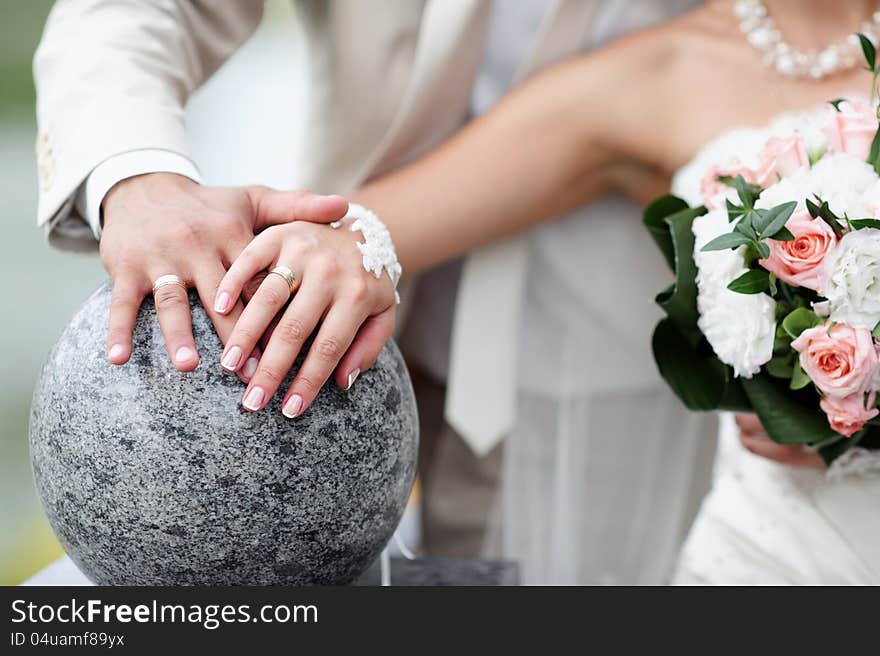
(378, 248)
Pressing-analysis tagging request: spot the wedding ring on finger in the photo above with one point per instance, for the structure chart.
(166, 280)
(288, 276)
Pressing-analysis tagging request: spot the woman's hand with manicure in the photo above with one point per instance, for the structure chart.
(349, 310)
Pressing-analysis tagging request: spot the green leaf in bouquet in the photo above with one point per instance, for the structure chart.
(782, 341)
(858, 224)
(734, 399)
(788, 417)
(725, 241)
(771, 281)
(774, 219)
(755, 281)
(746, 225)
(799, 320)
(695, 375)
(816, 155)
(874, 154)
(799, 377)
(734, 211)
(748, 193)
(836, 103)
(763, 249)
(869, 51)
(833, 448)
(680, 301)
(823, 211)
(784, 234)
(780, 366)
(654, 220)
(876, 332)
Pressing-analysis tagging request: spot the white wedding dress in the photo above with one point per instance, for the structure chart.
(766, 523)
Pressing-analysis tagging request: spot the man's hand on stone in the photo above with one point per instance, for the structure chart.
(165, 224)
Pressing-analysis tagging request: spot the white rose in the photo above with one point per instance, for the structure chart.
(852, 279)
(846, 182)
(739, 327)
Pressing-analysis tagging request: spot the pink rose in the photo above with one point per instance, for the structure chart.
(840, 360)
(780, 157)
(799, 262)
(711, 188)
(852, 129)
(848, 415)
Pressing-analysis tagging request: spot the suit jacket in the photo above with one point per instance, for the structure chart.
(389, 79)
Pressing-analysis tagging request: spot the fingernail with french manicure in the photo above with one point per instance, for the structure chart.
(184, 354)
(230, 360)
(250, 367)
(116, 351)
(293, 406)
(353, 377)
(253, 400)
(222, 302)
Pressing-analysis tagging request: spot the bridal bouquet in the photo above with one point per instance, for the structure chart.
(775, 307)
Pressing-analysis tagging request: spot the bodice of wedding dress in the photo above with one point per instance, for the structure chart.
(766, 523)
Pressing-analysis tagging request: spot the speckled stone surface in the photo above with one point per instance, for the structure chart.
(154, 477)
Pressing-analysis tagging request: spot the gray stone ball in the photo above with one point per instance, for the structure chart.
(154, 477)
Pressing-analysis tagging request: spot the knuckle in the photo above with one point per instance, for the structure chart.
(305, 243)
(326, 266)
(328, 348)
(291, 331)
(308, 384)
(359, 291)
(178, 337)
(184, 232)
(168, 298)
(245, 335)
(126, 260)
(272, 297)
(270, 373)
(121, 301)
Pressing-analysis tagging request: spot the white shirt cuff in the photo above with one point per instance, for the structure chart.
(119, 167)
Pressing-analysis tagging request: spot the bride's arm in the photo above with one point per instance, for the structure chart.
(558, 141)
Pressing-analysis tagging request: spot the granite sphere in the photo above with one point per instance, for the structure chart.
(154, 477)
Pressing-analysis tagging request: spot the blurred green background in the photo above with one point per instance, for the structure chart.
(257, 92)
(42, 289)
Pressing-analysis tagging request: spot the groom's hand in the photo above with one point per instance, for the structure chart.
(161, 223)
(756, 440)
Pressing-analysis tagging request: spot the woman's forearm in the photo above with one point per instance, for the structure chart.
(536, 155)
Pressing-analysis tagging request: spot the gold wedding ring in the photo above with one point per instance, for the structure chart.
(169, 279)
(288, 276)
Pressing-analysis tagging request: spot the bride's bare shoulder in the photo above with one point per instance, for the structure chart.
(681, 51)
(669, 68)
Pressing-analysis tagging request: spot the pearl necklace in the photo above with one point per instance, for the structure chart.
(761, 31)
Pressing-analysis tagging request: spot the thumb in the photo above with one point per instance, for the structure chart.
(272, 207)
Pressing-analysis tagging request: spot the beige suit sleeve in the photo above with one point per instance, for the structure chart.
(113, 77)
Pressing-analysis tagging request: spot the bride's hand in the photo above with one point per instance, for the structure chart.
(356, 311)
(755, 439)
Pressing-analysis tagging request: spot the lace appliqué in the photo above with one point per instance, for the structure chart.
(377, 248)
(854, 462)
